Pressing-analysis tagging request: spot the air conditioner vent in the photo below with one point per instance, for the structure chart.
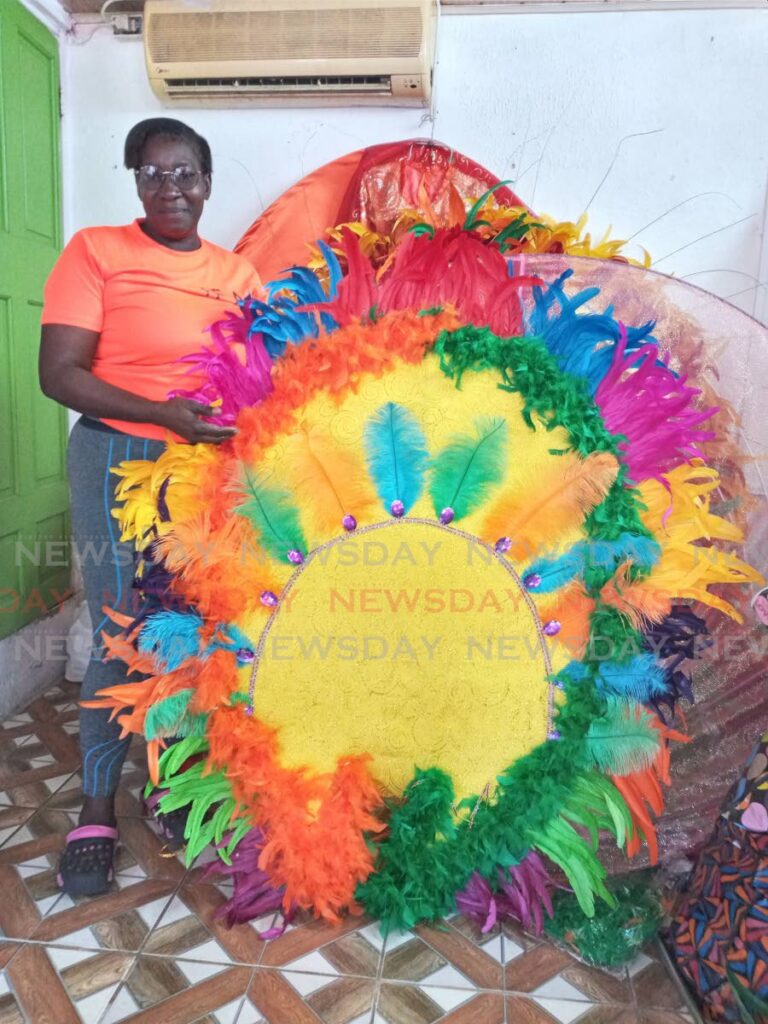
(355, 32)
(381, 84)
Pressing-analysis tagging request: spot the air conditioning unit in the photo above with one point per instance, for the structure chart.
(229, 53)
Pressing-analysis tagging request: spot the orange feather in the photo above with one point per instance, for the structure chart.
(541, 505)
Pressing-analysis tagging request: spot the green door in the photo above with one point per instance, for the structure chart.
(34, 526)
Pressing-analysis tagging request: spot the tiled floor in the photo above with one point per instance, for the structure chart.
(152, 950)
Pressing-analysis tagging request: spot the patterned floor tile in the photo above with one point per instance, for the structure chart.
(491, 942)
(347, 947)
(415, 1004)
(535, 966)
(412, 960)
(179, 992)
(33, 787)
(90, 979)
(277, 995)
(180, 933)
(654, 987)
(344, 1001)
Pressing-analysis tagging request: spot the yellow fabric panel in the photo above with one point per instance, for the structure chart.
(411, 643)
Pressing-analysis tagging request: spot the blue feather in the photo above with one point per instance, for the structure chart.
(334, 269)
(578, 340)
(230, 638)
(644, 552)
(557, 572)
(640, 678)
(396, 453)
(171, 637)
(287, 316)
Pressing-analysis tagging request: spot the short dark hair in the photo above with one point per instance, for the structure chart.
(152, 127)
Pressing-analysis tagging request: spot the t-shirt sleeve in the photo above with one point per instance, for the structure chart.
(74, 291)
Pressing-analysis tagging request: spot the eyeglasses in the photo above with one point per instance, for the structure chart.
(151, 178)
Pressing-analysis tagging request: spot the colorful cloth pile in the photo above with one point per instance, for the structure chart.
(719, 937)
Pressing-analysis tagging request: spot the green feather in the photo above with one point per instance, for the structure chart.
(565, 847)
(468, 467)
(470, 223)
(273, 517)
(171, 717)
(161, 719)
(418, 871)
(174, 756)
(623, 740)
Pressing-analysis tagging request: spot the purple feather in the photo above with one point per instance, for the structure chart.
(678, 638)
(225, 377)
(253, 895)
(522, 894)
(641, 398)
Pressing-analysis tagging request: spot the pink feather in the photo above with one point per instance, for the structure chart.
(522, 895)
(253, 894)
(654, 410)
(226, 378)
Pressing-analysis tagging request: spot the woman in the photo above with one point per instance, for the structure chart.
(122, 306)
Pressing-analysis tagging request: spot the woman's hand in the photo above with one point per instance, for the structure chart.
(184, 417)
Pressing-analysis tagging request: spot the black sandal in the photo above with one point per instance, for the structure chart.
(172, 824)
(86, 867)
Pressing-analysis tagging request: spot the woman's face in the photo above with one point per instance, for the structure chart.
(172, 213)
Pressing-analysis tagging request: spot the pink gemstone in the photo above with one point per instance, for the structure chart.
(446, 516)
(552, 628)
(397, 508)
(296, 557)
(349, 523)
(532, 581)
(268, 598)
(503, 544)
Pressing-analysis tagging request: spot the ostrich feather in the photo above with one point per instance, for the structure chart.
(467, 468)
(603, 554)
(328, 480)
(623, 740)
(396, 452)
(274, 518)
(640, 678)
(171, 637)
(536, 509)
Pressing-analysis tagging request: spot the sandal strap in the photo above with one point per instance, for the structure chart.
(93, 832)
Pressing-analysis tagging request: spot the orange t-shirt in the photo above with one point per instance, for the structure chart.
(150, 304)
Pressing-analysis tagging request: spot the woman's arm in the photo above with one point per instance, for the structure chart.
(66, 355)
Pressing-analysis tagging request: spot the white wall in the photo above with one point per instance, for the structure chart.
(542, 99)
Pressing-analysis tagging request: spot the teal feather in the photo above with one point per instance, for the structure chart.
(396, 453)
(274, 518)
(467, 468)
(163, 718)
(623, 740)
(644, 552)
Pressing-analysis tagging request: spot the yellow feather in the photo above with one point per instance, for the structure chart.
(328, 482)
(183, 466)
(680, 519)
(540, 506)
